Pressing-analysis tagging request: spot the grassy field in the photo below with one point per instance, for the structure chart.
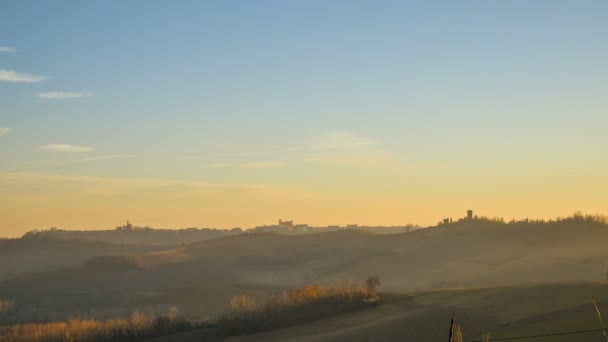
(509, 311)
(425, 316)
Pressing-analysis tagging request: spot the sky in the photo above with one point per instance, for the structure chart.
(237, 113)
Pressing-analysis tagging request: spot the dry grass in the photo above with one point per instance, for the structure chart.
(313, 302)
(137, 327)
(455, 332)
(598, 313)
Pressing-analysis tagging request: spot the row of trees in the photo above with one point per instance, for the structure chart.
(577, 217)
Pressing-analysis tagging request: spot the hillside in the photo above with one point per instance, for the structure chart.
(200, 278)
(506, 312)
(24, 256)
(425, 316)
(469, 254)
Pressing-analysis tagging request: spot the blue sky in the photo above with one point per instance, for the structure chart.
(344, 98)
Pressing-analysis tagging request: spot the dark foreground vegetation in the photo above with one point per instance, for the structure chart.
(136, 328)
(313, 302)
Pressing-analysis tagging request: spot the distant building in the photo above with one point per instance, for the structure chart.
(126, 227)
(301, 228)
(470, 214)
(285, 223)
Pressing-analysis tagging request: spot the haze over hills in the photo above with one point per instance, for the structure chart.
(130, 234)
(52, 249)
(32, 255)
(199, 278)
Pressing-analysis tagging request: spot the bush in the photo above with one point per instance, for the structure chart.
(296, 306)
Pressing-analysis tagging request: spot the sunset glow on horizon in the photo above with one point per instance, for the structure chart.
(325, 113)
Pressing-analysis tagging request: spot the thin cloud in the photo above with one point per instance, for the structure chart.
(7, 49)
(261, 165)
(65, 148)
(104, 182)
(358, 158)
(251, 165)
(60, 95)
(18, 77)
(338, 148)
(340, 141)
(83, 160)
(4, 131)
(336, 140)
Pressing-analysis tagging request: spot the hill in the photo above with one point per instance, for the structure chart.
(506, 312)
(130, 234)
(199, 278)
(24, 256)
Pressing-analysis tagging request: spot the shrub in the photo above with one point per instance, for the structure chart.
(137, 327)
(296, 306)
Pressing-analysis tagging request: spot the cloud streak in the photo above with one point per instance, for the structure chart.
(252, 165)
(261, 165)
(59, 95)
(18, 77)
(83, 160)
(335, 140)
(66, 148)
(4, 131)
(341, 141)
(7, 49)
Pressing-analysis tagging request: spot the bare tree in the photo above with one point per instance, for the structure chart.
(371, 283)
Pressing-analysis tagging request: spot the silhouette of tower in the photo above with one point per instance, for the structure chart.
(470, 214)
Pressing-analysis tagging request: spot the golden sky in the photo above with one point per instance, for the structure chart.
(238, 114)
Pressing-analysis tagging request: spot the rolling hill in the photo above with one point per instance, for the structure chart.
(199, 278)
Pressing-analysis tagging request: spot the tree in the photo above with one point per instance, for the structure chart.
(371, 283)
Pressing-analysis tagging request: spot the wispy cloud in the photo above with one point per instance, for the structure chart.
(336, 140)
(348, 149)
(261, 165)
(331, 148)
(83, 160)
(7, 49)
(59, 95)
(13, 76)
(4, 131)
(66, 148)
(340, 141)
(367, 158)
(129, 183)
(251, 165)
